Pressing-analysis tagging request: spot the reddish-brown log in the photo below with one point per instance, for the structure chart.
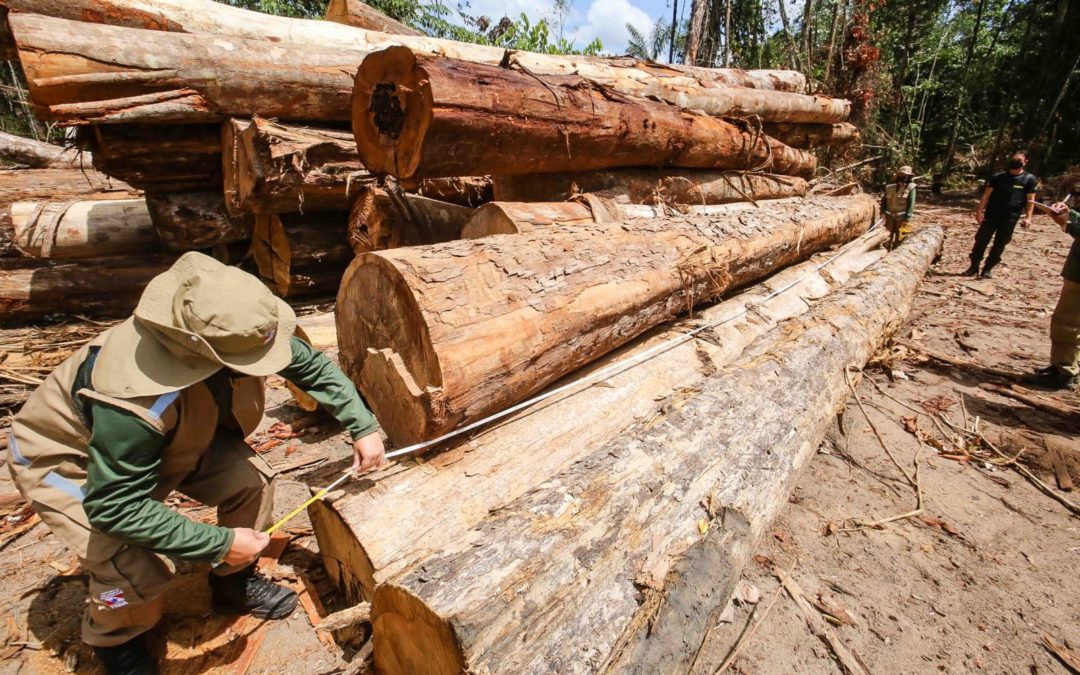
(157, 158)
(301, 255)
(382, 219)
(361, 15)
(813, 135)
(191, 221)
(649, 186)
(71, 184)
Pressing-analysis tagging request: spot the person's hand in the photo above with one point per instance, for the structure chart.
(246, 547)
(978, 216)
(368, 453)
(1024, 222)
(1060, 214)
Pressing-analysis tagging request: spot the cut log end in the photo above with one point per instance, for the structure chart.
(347, 564)
(392, 107)
(410, 638)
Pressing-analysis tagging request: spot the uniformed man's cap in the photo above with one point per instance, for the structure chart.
(905, 171)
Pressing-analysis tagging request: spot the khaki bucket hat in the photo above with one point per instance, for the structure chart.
(192, 320)
(905, 171)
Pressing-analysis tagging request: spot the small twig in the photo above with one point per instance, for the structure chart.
(745, 638)
(873, 427)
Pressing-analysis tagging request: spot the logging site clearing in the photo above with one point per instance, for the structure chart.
(347, 338)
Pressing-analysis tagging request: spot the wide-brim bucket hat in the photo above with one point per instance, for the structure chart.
(192, 320)
(905, 171)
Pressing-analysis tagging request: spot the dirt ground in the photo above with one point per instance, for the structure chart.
(970, 583)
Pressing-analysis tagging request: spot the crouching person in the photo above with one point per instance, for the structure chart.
(163, 402)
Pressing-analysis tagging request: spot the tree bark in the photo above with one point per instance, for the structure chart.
(699, 11)
(649, 186)
(471, 191)
(359, 15)
(517, 217)
(301, 255)
(214, 18)
(79, 229)
(33, 290)
(38, 155)
(415, 116)
(565, 296)
(192, 221)
(157, 158)
(383, 219)
(486, 473)
(27, 184)
(806, 136)
(540, 587)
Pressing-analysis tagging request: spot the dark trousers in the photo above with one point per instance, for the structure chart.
(1001, 231)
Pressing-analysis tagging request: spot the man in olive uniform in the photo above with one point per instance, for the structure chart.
(163, 402)
(1065, 322)
(898, 205)
(1009, 198)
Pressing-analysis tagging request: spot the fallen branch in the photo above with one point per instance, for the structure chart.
(1036, 400)
(848, 660)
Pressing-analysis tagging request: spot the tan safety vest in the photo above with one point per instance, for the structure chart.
(896, 200)
(49, 445)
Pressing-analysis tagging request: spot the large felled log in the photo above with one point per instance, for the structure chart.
(649, 186)
(301, 254)
(813, 135)
(38, 155)
(79, 229)
(419, 116)
(622, 562)
(383, 218)
(25, 184)
(469, 191)
(543, 303)
(157, 158)
(190, 221)
(515, 217)
(33, 290)
(486, 473)
(214, 18)
(361, 15)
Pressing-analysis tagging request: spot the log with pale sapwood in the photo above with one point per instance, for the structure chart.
(157, 158)
(38, 155)
(78, 229)
(485, 473)
(416, 116)
(649, 186)
(191, 221)
(383, 218)
(623, 562)
(437, 336)
(813, 135)
(361, 15)
(300, 255)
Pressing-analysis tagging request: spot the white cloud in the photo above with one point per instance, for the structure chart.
(607, 19)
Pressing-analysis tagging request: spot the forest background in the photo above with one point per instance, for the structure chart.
(951, 87)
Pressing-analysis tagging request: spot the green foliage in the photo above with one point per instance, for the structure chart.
(304, 9)
(656, 45)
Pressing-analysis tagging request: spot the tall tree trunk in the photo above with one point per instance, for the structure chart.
(727, 33)
(361, 15)
(699, 13)
(650, 186)
(954, 133)
(674, 29)
(417, 116)
(427, 368)
(789, 39)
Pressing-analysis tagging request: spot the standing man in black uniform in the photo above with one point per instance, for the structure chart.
(1009, 197)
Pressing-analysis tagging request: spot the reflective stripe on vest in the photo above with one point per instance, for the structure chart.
(52, 479)
(162, 404)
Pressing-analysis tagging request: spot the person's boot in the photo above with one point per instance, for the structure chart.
(246, 592)
(986, 273)
(130, 658)
(1054, 377)
(972, 271)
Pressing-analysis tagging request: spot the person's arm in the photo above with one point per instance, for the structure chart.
(980, 210)
(1029, 206)
(910, 203)
(323, 381)
(125, 456)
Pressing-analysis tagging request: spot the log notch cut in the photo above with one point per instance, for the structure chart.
(416, 116)
(33, 290)
(78, 229)
(157, 157)
(383, 218)
(649, 186)
(301, 255)
(544, 303)
(814, 135)
(517, 217)
(485, 473)
(361, 15)
(607, 567)
(277, 168)
(52, 184)
(192, 221)
(37, 155)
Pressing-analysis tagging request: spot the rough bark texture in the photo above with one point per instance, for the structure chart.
(37, 155)
(767, 105)
(191, 221)
(437, 336)
(464, 191)
(360, 15)
(157, 158)
(699, 9)
(620, 563)
(516, 217)
(485, 473)
(33, 290)
(276, 168)
(214, 18)
(649, 186)
(421, 116)
(24, 184)
(383, 218)
(79, 229)
(301, 254)
(814, 135)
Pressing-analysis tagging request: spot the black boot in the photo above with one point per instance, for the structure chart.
(971, 271)
(245, 592)
(1054, 377)
(130, 658)
(986, 273)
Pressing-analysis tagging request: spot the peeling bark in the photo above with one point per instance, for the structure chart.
(382, 219)
(157, 158)
(192, 221)
(649, 186)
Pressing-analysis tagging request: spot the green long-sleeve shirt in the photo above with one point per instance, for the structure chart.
(1071, 271)
(125, 457)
